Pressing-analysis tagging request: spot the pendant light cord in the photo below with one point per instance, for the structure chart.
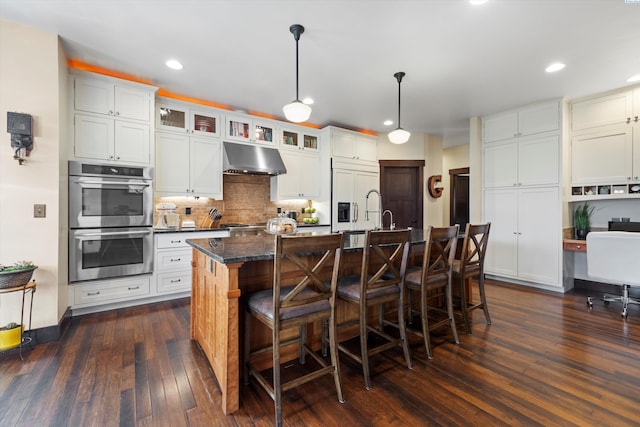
(399, 75)
(296, 30)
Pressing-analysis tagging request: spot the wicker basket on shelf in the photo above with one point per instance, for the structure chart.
(16, 278)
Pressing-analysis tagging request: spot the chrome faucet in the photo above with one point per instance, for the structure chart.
(392, 225)
(366, 206)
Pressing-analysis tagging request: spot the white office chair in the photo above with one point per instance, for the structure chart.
(614, 257)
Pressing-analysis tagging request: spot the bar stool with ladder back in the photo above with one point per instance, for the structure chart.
(433, 281)
(310, 298)
(471, 264)
(384, 262)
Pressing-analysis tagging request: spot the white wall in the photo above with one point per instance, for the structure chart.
(419, 147)
(30, 76)
(475, 170)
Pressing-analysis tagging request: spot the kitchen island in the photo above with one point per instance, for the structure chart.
(225, 269)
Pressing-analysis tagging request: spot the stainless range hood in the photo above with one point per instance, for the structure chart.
(251, 160)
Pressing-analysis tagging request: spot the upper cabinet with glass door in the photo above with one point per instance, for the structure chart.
(180, 118)
(299, 139)
(249, 129)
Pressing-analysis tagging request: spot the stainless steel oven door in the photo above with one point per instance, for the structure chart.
(110, 252)
(96, 202)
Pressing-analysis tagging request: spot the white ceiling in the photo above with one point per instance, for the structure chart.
(461, 60)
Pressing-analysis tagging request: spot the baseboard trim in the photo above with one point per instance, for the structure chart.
(53, 332)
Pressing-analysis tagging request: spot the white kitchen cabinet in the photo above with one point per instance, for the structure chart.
(303, 177)
(111, 120)
(524, 240)
(188, 166)
(100, 292)
(350, 145)
(112, 99)
(605, 142)
(606, 157)
(529, 120)
(610, 109)
(172, 268)
(186, 119)
(292, 139)
(350, 187)
(103, 138)
(522, 162)
(249, 129)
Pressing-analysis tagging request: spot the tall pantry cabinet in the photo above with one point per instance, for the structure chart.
(522, 194)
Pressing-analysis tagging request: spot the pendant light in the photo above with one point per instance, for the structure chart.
(296, 111)
(399, 136)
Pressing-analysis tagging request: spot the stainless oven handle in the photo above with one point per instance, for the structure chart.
(112, 233)
(124, 184)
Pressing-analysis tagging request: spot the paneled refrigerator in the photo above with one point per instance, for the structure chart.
(350, 185)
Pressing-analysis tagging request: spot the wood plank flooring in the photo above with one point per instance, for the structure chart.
(547, 360)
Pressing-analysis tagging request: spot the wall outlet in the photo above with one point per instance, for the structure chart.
(39, 211)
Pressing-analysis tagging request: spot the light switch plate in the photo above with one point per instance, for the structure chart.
(39, 211)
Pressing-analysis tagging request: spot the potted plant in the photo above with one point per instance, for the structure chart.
(17, 275)
(581, 220)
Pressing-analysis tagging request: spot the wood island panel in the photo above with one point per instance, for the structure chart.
(214, 322)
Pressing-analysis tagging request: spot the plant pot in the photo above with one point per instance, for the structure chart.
(581, 234)
(10, 338)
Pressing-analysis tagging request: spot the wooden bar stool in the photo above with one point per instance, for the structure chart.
(433, 281)
(311, 299)
(471, 265)
(384, 262)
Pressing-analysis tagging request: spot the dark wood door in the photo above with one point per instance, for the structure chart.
(459, 197)
(401, 185)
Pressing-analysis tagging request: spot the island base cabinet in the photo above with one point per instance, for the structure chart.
(214, 322)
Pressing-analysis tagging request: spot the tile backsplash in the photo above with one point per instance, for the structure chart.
(246, 200)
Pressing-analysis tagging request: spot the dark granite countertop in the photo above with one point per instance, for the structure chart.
(228, 250)
(192, 229)
(187, 230)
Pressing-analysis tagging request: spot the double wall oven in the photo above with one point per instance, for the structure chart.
(110, 221)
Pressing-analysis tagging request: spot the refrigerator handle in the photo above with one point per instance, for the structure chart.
(355, 212)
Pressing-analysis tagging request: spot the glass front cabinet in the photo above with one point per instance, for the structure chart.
(246, 129)
(178, 118)
(299, 140)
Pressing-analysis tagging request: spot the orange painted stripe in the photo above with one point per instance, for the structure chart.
(85, 66)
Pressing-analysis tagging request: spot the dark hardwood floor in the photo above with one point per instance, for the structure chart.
(546, 360)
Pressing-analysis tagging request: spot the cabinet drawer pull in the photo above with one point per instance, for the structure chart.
(176, 241)
(93, 294)
(133, 288)
(176, 281)
(176, 259)
(578, 246)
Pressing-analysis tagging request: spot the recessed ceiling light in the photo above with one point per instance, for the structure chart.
(174, 65)
(477, 2)
(307, 101)
(388, 122)
(634, 79)
(556, 66)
